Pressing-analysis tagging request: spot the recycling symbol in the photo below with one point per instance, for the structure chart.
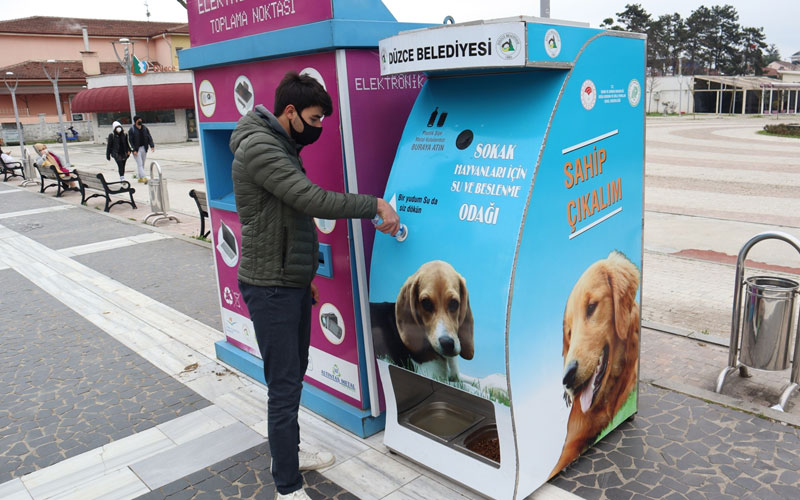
(228, 296)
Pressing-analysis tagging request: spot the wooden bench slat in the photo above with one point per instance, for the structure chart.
(62, 181)
(98, 183)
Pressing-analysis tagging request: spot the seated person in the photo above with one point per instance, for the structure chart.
(7, 158)
(46, 158)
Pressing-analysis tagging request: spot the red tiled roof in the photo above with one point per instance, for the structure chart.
(42, 25)
(68, 70)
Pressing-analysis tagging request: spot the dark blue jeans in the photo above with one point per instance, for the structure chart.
(282, 321)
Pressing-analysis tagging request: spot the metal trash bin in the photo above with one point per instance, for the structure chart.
(31, 174)
(764, 319)
(767, 322)
(159, 196)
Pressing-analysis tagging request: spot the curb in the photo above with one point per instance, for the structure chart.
(690, 334)
(727, 401)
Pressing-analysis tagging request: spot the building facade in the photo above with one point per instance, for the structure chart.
(79, 48)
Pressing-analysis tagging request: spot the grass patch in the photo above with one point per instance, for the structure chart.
(493, 394)
(782, 130)
(200, 238)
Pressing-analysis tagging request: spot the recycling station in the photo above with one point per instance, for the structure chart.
(240, 52)
(498, 338)
(506, 325)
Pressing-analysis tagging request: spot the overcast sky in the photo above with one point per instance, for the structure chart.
(779, 18)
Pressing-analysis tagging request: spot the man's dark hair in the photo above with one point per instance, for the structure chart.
(302, 91)
(137, 118)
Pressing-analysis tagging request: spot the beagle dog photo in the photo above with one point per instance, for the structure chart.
(600, 350)
(429, 326)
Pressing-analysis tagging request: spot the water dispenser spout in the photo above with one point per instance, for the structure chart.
(401, 233)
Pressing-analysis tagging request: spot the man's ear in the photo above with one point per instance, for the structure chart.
(289, 111)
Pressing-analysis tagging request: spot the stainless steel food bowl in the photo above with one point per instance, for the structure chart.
(468, 439)
(441, 419)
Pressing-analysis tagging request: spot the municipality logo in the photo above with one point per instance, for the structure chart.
(335, 375)
(508, 46)
(588, 94)
(634, 92)
(552, 43)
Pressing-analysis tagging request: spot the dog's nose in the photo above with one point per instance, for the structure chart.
(570, 372)
(448, 345)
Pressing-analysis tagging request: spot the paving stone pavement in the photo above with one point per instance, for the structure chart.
(153, 268)
(675, 361)
(711, 184)
(679, 447)
(66, 387)
(686, 441)
(58, 229)
(243, 477)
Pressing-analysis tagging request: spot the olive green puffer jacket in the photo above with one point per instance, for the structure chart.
(276, 203)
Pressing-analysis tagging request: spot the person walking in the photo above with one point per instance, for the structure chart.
(141, 139)
(118, 148)
(276, 203)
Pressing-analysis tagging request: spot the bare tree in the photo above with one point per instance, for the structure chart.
(650, 87)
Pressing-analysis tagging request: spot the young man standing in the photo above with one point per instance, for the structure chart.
(140, 138)
(276, 203)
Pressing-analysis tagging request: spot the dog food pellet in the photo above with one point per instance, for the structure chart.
(489, 447)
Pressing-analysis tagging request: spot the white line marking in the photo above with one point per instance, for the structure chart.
(102, 246)
(34, 211)
(598, 221)
(4, 191)
(590, 141)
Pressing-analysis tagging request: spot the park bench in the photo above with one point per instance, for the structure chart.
(99, 183)
(202, 207)
(49, 173)
(11, 169)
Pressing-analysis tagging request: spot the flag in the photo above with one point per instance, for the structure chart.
(138, 67)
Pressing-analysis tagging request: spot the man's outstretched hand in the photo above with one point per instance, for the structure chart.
(390, 220)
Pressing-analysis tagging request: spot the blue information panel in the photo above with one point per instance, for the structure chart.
(506, 324)
(465, 178)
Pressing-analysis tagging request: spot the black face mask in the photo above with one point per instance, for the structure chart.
(139, 124)
(307, 136)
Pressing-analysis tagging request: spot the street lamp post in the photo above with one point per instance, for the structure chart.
(544, 8)
(125, 61)
(54, 81)
(13, 91)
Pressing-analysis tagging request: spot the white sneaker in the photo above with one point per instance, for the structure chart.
(312, 460)
(295, 495)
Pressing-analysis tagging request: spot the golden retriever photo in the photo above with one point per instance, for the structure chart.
(600, 350)
(429, 325)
